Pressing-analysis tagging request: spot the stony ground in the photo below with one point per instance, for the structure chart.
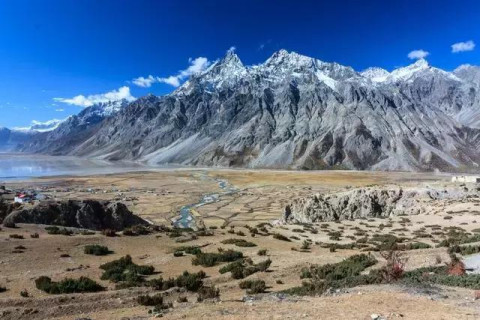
(261, 197)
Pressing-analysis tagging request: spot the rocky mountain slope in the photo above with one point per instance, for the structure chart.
(296, 112)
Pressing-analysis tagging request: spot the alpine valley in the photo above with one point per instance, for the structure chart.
(292, 112)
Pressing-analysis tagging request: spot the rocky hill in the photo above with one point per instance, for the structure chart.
(293, 111)
(87, 214)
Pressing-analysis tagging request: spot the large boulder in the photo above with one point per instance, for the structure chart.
(87, 214)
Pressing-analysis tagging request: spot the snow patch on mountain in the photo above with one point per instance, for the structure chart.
(39, 126)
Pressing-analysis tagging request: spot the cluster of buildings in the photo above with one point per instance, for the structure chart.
(24, 196)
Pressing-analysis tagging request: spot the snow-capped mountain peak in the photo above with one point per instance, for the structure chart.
(375, 74)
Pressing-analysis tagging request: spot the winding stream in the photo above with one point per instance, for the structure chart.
(187, 214)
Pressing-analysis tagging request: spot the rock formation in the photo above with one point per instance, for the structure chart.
(86, 214)
(371, 202)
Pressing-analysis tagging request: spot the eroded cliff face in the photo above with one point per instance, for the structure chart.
(87, 214)
(374, 202)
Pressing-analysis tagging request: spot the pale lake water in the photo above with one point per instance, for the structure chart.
(25, 166)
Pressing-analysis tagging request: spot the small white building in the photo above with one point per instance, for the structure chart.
(466, 179)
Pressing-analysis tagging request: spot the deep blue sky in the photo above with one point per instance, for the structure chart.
(65, 48)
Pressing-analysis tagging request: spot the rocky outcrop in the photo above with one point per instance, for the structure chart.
(6, 209)
(86, 214)
(372, 202)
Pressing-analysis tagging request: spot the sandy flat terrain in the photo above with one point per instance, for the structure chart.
(260, 196)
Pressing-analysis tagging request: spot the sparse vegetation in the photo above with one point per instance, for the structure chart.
(57, 230)
(16, 236)
(243, 268)
(208, 293)
(239, 242)
(125, 271)
(349, 267)
(262, 252)
(253, 286)
(211, 258)
(279, 236)
(68, 285)
(96, 250)
(137, 230)
(464, 250)
(154, 301)
(190, 281)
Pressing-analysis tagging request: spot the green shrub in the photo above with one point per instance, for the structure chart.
(210, 259)
(178, 254)
(208, 293)
(464, 250)
(96, 250)
(57, 230)
(35, 235)
(154, 301)
(190, 281)
(262, 252)
(68, 285)
(190, 249)
(306, 245)
(253, 286)
(137, 230)
(124, 270)
(242, 268)
(16, 236)
(317, 286)
(349, 267)
(239, 242)
(440, 276)
(146, 300)
(279, 236)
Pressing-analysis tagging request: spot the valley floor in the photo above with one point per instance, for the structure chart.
(259, 197)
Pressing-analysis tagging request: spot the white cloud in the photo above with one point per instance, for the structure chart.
(196, 65)
(87, 101)
(172, 80)
(41, 126)
(144, 82)
(59, 110)
(463, 46)
(418, 54)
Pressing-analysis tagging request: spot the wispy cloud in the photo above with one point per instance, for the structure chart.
(418, 54)
(196, 65)
(59, 110)
(41, 126)
(144, 82)
(463, 46)
(90, 100)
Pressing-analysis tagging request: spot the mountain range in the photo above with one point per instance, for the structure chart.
(291, 111)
